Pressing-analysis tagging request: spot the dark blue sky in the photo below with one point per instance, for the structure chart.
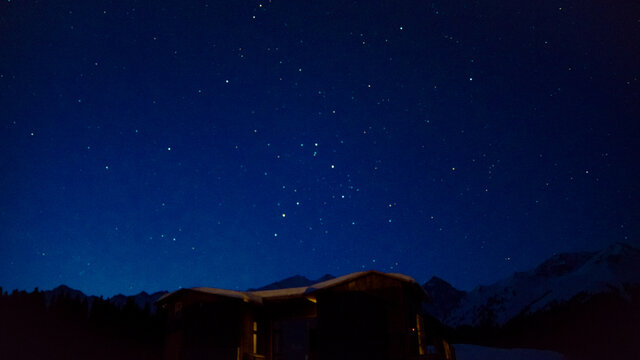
(148, 145)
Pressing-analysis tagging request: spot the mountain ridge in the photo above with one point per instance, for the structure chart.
(444, 298)
(144, 299)
(556, 280)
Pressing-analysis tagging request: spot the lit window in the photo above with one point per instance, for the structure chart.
(255, 337)
(422, 350)
(447, 350)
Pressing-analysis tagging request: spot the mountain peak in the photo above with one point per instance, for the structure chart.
(64, 290)
(444, 297)
(61, 288)
(557, 280)
(434, 282)
(142, 299)
(325, 277)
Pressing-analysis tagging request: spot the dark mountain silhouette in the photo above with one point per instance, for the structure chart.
(293, 281)
(585, 305)
(63, 291)
(444, 297)
(142, 300)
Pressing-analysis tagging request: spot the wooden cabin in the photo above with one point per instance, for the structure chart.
(364, 315)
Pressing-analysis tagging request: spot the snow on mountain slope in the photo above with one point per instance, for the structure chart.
(558, 279)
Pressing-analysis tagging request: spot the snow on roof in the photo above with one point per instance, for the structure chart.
(287, 293)
(241, 295)
(349, 277)
(280, 293)
(300, 291)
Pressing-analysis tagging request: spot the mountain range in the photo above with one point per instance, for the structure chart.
(585, 305)
(557, 280)
(142, 300)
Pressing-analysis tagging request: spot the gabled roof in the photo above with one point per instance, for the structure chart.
(289, 293)
(281, 293)
(240, 295)
(353, 276)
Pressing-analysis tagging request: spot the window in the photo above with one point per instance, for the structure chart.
(447, 350)
(255, 337)
(422, 346)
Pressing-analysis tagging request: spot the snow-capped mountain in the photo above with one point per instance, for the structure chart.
(555, 281)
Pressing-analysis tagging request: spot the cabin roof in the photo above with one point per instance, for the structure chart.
(350, 277)
(214, 292)
(289, 293)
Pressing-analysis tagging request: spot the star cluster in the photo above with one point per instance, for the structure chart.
(157, 145)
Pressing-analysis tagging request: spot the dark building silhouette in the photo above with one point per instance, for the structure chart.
(364, 315)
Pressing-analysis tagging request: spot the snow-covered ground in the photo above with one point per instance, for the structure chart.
(475, 352)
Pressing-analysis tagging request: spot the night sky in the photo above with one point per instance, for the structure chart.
(152, 145)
